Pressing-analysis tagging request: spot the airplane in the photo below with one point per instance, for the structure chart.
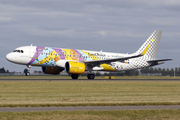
(76, 62)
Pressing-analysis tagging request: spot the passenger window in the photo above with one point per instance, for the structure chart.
(22, 51)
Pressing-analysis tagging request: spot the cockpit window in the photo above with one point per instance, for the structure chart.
(19, 51)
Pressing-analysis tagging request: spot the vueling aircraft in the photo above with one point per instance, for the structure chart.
(76, 62)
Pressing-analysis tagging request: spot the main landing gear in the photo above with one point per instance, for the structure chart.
(89, 76)
(74, 76)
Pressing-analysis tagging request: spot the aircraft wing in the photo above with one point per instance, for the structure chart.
(111, 60)
(107, 61)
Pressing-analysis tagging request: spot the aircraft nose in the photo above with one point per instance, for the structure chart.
(18, 58)
(9, 57)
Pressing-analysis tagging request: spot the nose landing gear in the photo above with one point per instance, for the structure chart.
(26, 71)
(27, 74)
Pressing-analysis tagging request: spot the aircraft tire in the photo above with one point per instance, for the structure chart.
(91, 76)
(27, 74)
(74, 76)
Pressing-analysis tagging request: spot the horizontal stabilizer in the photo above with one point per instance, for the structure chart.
(159, 60)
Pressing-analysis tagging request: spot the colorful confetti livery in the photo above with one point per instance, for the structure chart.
(76, 62)
(46, 56)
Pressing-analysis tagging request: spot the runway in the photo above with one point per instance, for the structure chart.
(90, 80)
(99, 108)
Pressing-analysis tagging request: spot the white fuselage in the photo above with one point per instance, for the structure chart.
(39, 56)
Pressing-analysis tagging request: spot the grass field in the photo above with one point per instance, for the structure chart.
(95, 115)
(88, 93)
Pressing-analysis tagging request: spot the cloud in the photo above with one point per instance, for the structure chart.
(172, 2)
(5, 19)
(164, 21)
(41, 32)
(117, 33)
(103, 33)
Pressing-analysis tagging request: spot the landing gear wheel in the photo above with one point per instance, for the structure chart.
(90, 76)
(26, 71)
(74, 76)
(27, 74)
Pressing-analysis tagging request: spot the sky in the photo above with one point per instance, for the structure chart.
(109, 25)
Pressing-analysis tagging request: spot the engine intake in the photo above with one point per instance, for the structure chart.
(73, 67)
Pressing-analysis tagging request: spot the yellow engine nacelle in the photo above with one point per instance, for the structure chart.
(52, 70)
(73, 67)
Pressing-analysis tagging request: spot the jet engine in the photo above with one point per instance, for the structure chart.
(73, 67)
(52, 70)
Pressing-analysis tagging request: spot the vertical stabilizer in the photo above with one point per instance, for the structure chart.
(151, 44)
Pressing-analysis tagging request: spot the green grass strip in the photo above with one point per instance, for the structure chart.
(90, 104)
(91, 115)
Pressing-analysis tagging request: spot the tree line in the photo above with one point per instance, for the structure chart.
(2, 70)
(160, 71)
